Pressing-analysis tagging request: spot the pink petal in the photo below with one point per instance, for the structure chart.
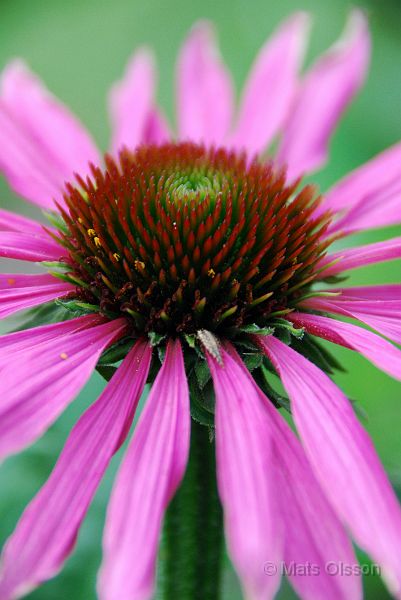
(245, 478)
(204, 89)
(326, 91)
(382, 315)
(377, 350)
(156, 128)
(20, 341)
(50, 375)
(352, 258)
(22, 164)
(18, 292)
(148, 478)
(25, 246)
(17, 281)
(43, 144)
(313, 534)
(131, 101)
(391, 291)
(10, 221)
(379, 209)
(343, 458)
(369, 179)
(46, 532)
(271, 86)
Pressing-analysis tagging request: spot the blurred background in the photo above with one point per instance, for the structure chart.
(79, 48)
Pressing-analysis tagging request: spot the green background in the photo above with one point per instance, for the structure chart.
(80, 47)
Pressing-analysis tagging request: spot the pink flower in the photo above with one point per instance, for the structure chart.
(200, 250)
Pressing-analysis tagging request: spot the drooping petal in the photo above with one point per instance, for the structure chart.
(343, 458)
(382, 315)
(46, 532)
(43, 144)
(353, 258)
(271, 86)
(18, 292)
(149, 475)
(25, 246)
(204, 89)
(326, 91)
(377, 350)
(49, 377)
(367, 180)
(313, 535)
(131, 101)
(10, 221)
(246, 479)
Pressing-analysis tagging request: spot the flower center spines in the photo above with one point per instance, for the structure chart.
(181, 238)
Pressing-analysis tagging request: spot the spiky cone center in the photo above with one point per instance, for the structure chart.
(180, 238)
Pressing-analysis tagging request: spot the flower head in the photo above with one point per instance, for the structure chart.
(202, 268)
(179, 238)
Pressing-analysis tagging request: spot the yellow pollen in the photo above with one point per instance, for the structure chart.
(64, 355)
(11, 281)
(116, 256)
(80, 220)
(91, 232)
(97, 241)
(211, 273)
(139, 265)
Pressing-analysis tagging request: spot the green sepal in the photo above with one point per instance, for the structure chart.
(332, 361)
(190, 339)
(313, 351)
(252, 361)
(46, 314)
(116, 352)
(269, 365)
(202, 373)
(200, 386)
(315, 294)
(80, 308)
(55, 264)
(247, 345)
(281, 325)
(284, 336)
(154, 369)
(254, 329)
(57, 221)
(106, 372)
(200, 405)
(156, 339)
(161, 352)
(334, 279)
(278, 399)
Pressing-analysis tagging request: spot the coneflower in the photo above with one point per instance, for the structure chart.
(199, 267)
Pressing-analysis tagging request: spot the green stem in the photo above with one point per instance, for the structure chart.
(192, 545)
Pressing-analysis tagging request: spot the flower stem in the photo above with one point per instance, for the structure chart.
(192, 546)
